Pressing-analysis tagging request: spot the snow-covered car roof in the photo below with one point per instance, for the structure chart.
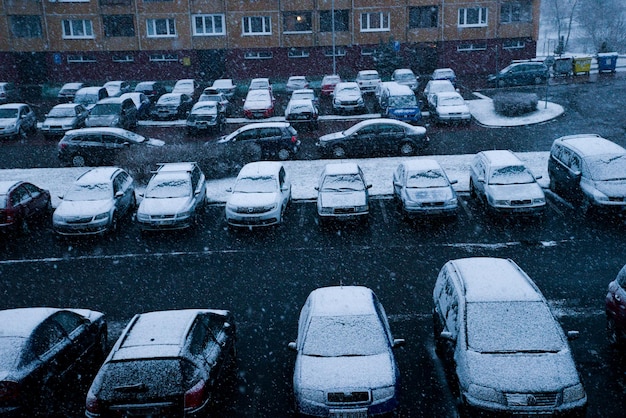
(397, 89)
(260, 168)
(66, 105)
(72, 86)
(592, 144)
(97, 175)
(447, 94)
(342, 301)
(376, 121)
(404, 71)
(367, 73)
(131, 136)
(443, 72)
(440, 85)
(170, 98)
(341, 168)
(173, 167)
(223, 83)
(502, 158)
(420, 164)
(204, 107)
(6, 185)
(302, 104)
(12, 105)
(20, 322)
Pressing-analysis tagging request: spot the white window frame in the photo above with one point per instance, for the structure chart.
(246, 22)
(73, 1)
(378, 17)
(123, 58)
(482, 17)
(298, 53)
(164, 58)
(258, 55)
(508, 9)
(208, 21)
(471, 47)
(367, 51)
(170, 26)
(76, 59)
(87, 28)
(514, 44)
(340, 51)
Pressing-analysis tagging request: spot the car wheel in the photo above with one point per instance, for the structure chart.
(407, 148)
(612, 334)
(78, 160)
(339, 151)
(284, 154)
(472, 189)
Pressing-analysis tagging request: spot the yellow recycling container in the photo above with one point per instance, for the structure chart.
(581, 64)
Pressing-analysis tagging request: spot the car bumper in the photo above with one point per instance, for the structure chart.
(348, 107)
(8, 132)
(314, 409)
(165, 223)
(478, 407)
(269, 218)
(426, 211)
(91, 228)
(519, 210)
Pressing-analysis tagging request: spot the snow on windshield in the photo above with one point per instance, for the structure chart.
(514, 174)
(79, 192)
(342, 182)
(451, 101)
(607, 168)
(352, 335)
(106, 109)
(258, 184)
(168, 188)
(430, 178)
(403, 101)
(8, 113)
(63, 112)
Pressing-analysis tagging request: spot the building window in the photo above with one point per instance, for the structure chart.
(27, 26)
(340, 51)
(208, 25)
(258, 55)
(158, 28)
(375, 22)
(163, 58)
(342, 21)
(472, 17)
(257, 25)
(297, 22)
(115, 2)
(423, 17)
(73, 1)
(513, 44)
(123, 58)
(367, 50)
(118, 26)
(298, 53)
(519, 11)
(77, 29)
(80, 58)
(478, 46)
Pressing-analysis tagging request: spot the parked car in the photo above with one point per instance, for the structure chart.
(398, 101)
(302, 111)
(9, 93)
(495, 332)
(615, 308)
(22, 203)
(212, 95)
(436, 86)
(345, 364)
(422, 188)
(117, 88)
(89, 96)
(166, 364)
(114, 112)
(99, 146)
(406, 77)
(62, 118)
(503, 183)
(96, 203)
(305, 94)
(328, 84)
(589, 170)
(261, 83)
(521, 73)
(43, 353)
(275, 139)
(205, 116)
(174, 197)
(17, 120)
(450, 107)
(225, 86)
(260, 196)
(367, 80)
(347, 97)
(296, 82)
(374, 136)
(342, 193)
(444, 74)
(187, 86)
(172, 106)
(143, 104)
(68, 91)
(259, 103)
(152, 89)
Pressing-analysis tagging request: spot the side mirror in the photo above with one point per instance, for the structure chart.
(369, 186)
(229, 190)
(446, 335)
(119, 194)
(455, 181)
(572, 335)
(292, 346)
(538, 177)
(481, 179)
(317, 188)
(60, 196)
(398, 342)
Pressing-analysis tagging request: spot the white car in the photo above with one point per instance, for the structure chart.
(368, 80)
(342, 193)
(174, 197)
(296, 82)
(436, 86)
(17, 120)
(187, 86)
(225, 86)
(302, 111)
(305, 94)
(260, 195)
(95, 203)
(405, 76)
(450, 107)
(117, 88)
(345, 366)
(261, 83)
(347, 97)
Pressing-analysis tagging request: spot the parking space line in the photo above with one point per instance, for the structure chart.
(383, 211)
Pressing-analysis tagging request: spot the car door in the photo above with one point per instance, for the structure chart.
(29, 119)
(198, 181)
(36, 203)
(51, 346)
(81, 341)
(285, 186)
(269, 139)
(364, 140)
(21, 202)
(123, 192)
(389, 137)
(479, 175)
(111, 146)
(81, 116)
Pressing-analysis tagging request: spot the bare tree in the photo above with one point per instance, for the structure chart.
(561, 13)
(605, 23)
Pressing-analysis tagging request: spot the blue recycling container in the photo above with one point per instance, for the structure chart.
(607, 62)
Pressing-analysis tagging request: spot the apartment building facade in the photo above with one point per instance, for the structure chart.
(95, 40)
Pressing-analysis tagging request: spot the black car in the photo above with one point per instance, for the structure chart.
(275, 139)
(44, 352)
(165, 364)
(152, 89)
(375, 136)
(521, 73)
(21, 203)
(172, 106)
(99, 146)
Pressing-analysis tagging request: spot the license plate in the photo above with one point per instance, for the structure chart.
(348, 413)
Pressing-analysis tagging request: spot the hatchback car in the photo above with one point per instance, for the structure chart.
(450, 107)
(205, 116)
(89, 96)
(507, 352)
(100, 146)
(172, 106)
(260, 195)
(152, 89)
(261, 83)
(345, 365)
(117, 88)
(521, 73)
(187, 86)
(275, 139)
(259, 103)
(68, 90)
(342, 193)
(225, 86)
(328, 84)
(21, 203)
(8, 92)
(503, 183)
(143, 104)
(374, 136)
(444, 74)
(113, 112)
(436, 86)
(347, 97)
(302, 111)
(174, 197)
(405, 76)
(44, 352)
(296, 82)
(165, 364)
(212, 95)
(95, 203)
(615, 308)
(305, 94)
(422, 188)
(17, 120)
(62, 118)
(367, 80)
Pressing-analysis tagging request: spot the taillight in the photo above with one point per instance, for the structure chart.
(195, 396)
(9, 391)
(294, 139)
(62, 145)
(9, 216)
(91, 404)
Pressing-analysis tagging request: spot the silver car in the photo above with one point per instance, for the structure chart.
(342, 193)
(347, 97)
(17, 120)
(62, 118)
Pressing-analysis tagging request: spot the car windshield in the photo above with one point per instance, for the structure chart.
(169, 100)
(299, 107)
(607, 167)
(8, 113)
(349, 89)
(258, 96)
(444, 74)
(368, 76)
(63, 112)
(404, 76)
(168, 188)
(86, 98)
(300, 95)
(259, 84)
(341, 182)
(403, 101)
(209, 98)
(351, 335)
(256, 184)
(81, 192)
(10, 347)
(451, 101)
(511, 327)
(425, 179)
(105, 109)
(514, 174)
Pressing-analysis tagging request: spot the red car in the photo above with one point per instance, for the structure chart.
(328, 84)
(616, 309)
(20, 203)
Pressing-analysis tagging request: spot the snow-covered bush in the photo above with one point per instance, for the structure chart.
(515, 104)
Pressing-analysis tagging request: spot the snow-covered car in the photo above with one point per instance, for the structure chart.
(205, 116)
(62, 118)
(507, 352)
(142, 103)
(345, 365)
(305, 94)
(17, 120)
(260, 195)
(187, 86)
(259, 103)
(302, 111)
(68, 90)
(342, 193)
(367, 80)
(450, 107)
(328, 84)
(117, 88)
(405, 76)
(436, 86)
(89, 96)
(261, 83)
(296, 82)
(422, 188)
(347, 97)
(96, 203)
(174, 197)
(225, 86)
(500, 180)
(172, 106)
(114, 112)
(444, 74)
(213, 95)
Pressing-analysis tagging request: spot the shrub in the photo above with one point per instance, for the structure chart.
(515, 104)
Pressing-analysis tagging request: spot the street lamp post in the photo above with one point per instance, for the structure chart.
(332, 17)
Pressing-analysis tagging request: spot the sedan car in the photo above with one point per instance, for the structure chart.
(422, 188)
(62, 118)
(274, 139)
(43, 354)
(68, 90)
(328, 84)
(503, 183)
(302, 111)
(165, 364)
(21, 203)
(342, 193)
(174, 197)
(345, 366)
(450, 107)
(374, 136)
(305, 94)
(172, 106)
(296, 82)
(152, 89)
(17, 120)
(405, 76)
(615, 308)
(95, 203)
(260, 195)
(205, 116)
(259, 103)
(225, 86)
(347, 97)
(117, 88)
